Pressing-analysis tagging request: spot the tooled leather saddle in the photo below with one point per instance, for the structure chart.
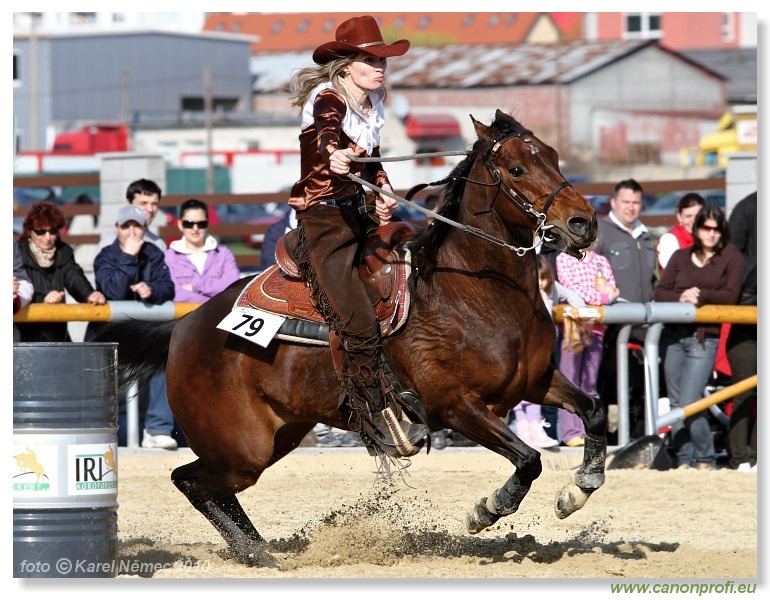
(384, 268)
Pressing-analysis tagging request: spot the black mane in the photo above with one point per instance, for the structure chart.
(426, 243)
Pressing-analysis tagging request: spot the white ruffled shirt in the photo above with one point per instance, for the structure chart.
(363, 129)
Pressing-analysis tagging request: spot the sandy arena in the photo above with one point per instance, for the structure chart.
(324, 517)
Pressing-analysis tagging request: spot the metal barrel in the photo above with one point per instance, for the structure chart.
(65, 450)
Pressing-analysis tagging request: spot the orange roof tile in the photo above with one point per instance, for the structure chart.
(304, 31)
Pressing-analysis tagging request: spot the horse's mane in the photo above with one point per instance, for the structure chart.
(426, 243)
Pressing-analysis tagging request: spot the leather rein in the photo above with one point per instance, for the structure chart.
(514, 197)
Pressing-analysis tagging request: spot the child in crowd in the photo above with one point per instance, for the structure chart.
(593, 280)
(528, 423)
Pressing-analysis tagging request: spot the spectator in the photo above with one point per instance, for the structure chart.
(145, 194)
(528, 422)
(626, 243)
(679, 236)
(743, 229)
(593, 280)
(22, 288)
(742, 356)
(50, 264)
(200, 268)
(22, 285)
(709, 272)
(267, 253)
(132, 269)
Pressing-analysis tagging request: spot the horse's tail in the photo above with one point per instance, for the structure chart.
(142, 348)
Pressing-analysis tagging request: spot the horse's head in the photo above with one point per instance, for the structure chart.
(528, 188)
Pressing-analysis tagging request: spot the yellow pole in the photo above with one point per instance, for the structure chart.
(719, 395)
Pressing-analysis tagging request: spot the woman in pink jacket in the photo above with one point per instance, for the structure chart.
(200, 268)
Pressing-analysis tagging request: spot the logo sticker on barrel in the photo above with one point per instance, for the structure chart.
(92, 468)
(254, 325)
(34, 467)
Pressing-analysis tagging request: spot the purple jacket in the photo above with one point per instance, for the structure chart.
(219, 271)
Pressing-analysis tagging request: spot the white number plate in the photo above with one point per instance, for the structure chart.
(251, 324)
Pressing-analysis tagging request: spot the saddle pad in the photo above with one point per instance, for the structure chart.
(275, 293)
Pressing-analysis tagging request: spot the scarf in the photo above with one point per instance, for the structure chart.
(44, 258)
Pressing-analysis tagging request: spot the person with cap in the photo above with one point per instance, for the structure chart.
(341, 102)
(131, 268)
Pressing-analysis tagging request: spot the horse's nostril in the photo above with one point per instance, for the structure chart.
(579, 226)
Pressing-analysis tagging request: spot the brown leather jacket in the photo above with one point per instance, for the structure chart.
(317, 141)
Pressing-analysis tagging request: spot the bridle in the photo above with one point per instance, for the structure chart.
(512, 195)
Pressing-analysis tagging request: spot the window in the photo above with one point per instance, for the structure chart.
(469, 20)
(16, 68)
(728, 27)
(83, 17)
(398, 23)
(219, 105)
(642, 26)
(235, 27)
(276, 28)
(424, 22)
(494, 19)
(303, 26)
(328, 25)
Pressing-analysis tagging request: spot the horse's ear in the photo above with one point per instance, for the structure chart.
(501, 116)
(482, 131)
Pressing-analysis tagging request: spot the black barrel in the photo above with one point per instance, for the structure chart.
(65, 446)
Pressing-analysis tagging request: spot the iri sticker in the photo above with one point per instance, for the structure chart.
(92, 469)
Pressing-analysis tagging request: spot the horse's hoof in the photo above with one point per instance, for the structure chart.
(258, 557)
(479, 518)
(569, 500)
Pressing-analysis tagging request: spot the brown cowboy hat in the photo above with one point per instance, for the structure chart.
(359, 34)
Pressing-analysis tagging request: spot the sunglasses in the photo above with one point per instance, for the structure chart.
(709, 229)
(52, 231)
(190, 224)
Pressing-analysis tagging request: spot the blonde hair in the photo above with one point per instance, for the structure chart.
(304, 81)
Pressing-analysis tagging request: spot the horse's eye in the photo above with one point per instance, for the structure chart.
(516, 171)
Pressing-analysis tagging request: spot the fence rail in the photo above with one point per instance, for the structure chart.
(243, 229)
(654, 314)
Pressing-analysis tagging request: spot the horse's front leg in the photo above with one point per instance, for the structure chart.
(590, 476)
(476, 422)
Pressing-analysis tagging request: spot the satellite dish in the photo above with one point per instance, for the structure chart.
(400, 107)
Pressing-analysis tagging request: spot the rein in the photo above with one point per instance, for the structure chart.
(514, 197)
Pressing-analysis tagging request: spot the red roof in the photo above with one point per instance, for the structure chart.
(305, 31)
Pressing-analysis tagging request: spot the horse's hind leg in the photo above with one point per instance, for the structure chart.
(204, 491)
(590, 475)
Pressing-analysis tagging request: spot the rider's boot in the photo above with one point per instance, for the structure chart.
(384, 426)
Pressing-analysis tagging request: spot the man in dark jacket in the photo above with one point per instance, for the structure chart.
(626, 243)
(132, 269)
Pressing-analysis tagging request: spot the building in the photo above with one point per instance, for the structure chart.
(135, 77)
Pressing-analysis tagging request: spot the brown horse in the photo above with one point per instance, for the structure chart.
(478, 340)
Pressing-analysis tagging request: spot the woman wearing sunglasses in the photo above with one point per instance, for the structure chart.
(708, 272)
(200, 268)
(51, 266)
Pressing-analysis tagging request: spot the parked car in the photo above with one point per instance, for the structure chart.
(667, 204)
